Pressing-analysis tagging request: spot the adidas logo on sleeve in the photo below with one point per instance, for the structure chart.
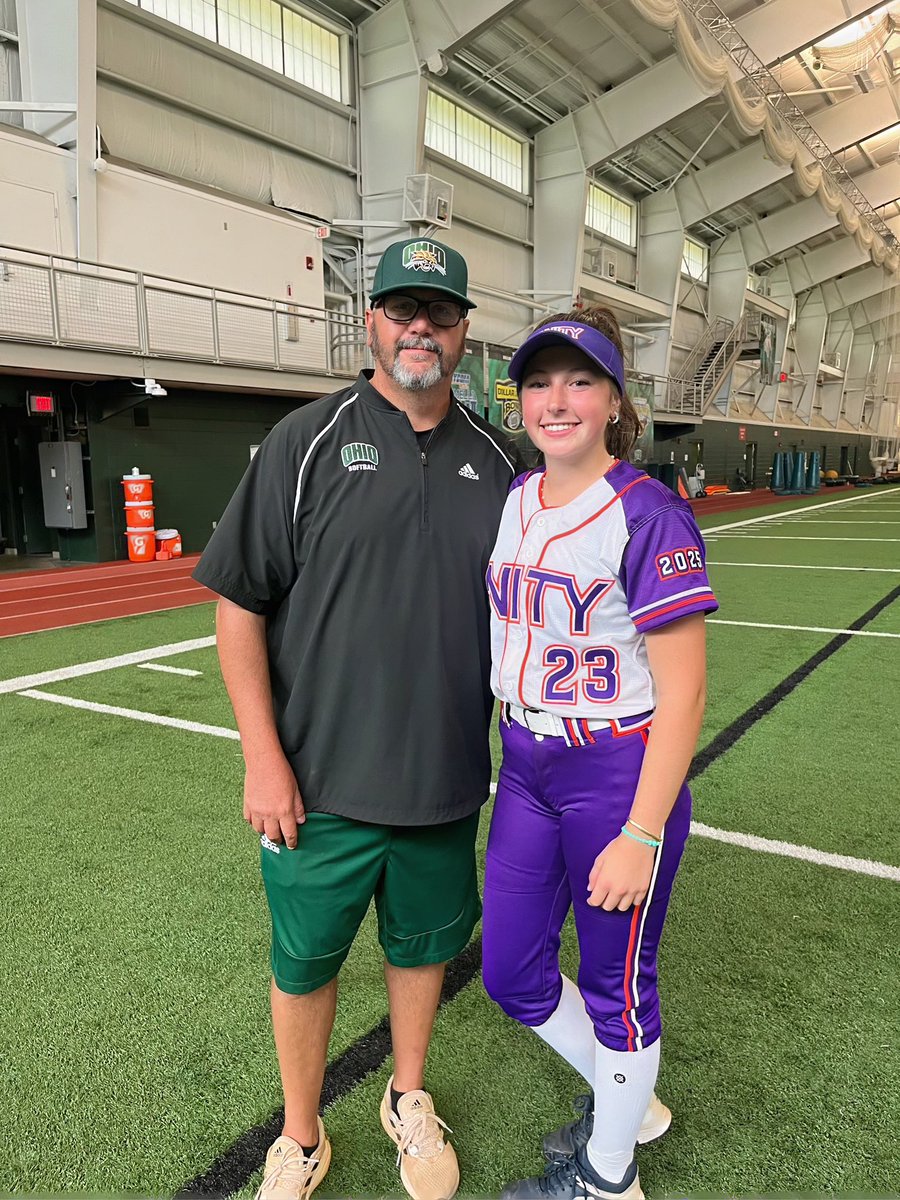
(468, 472)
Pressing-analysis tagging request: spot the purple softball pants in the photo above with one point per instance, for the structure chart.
(557, 806)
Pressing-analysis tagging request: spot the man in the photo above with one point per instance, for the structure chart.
(353, 638)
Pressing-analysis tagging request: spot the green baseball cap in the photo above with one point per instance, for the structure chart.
(422, 262)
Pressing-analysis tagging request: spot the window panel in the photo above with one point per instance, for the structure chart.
(611, 215)
(459, 134)
(312, 55)
(199, 16)
(695, 260)
(265, 31)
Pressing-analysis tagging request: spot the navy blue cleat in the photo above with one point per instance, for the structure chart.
(563, 1143)
(575, 1179)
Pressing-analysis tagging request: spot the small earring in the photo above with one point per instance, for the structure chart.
(614, 419)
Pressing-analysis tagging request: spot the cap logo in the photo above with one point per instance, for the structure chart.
(424, 256)
(572, 331)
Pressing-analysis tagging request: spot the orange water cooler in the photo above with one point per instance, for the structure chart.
(140, 529)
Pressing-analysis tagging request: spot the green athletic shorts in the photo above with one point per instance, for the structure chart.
(422, 879)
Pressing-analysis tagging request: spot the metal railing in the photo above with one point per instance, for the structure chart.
(717, 331)
(69, 302)
(710, 360)
(679, 396)
(758, 76)
(722, 362)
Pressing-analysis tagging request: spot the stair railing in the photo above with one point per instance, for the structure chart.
(721, 363)
(716, 331)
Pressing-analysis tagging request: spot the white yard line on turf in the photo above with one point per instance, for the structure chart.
(743, 535)
(852, 521)
(803, 628)
(821, 858)
(133, 714)
(844, 862)
(171, 670)
(807, 567)
(782, 513)
(104, 664)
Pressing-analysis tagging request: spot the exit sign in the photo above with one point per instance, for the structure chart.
(41, 403)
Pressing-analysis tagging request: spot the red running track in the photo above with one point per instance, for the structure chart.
(33, 601)
(758, 498)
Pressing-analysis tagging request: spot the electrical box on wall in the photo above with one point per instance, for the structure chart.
(427, 200)
(62, 484)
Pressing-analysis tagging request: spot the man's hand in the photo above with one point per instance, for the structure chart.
(620, 876)
(272, 801)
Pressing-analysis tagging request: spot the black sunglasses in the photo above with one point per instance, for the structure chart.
(443, 313)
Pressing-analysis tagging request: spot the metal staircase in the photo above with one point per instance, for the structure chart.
(697, 384)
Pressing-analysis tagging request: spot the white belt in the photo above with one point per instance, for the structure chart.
(549, 724)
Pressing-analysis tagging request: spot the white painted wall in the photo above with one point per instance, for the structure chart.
(166, 228)
(36, 185)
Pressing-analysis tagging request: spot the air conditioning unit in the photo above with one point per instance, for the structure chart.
(427, 200)
(832, 358)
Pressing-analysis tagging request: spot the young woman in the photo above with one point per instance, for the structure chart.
(598, 588)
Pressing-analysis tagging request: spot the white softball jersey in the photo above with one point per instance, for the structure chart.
(574, 589)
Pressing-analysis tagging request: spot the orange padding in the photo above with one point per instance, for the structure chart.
(717, 489)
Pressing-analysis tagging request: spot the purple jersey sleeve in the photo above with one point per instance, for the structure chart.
(664, 570)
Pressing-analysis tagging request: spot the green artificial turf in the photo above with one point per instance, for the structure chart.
(810, 598)
(781, 1066)
(774, 546)
(135, 943)
(33, 652)
(820, 769)
(134, 933)
(191, 698)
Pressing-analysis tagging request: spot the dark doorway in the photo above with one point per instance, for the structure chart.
(24, 503)
(750, 463)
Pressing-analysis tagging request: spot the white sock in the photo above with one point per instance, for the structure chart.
(623, 1085)
(570, 1031)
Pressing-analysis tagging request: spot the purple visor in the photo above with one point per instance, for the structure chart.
(591, 342)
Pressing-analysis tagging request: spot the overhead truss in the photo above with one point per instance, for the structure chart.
(758, 77)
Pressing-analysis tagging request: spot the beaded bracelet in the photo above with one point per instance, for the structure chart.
(642, 828)
(644, 841)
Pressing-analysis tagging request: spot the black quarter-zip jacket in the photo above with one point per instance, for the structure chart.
(367, 553)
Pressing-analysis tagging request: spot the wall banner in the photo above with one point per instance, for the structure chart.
(641, 392)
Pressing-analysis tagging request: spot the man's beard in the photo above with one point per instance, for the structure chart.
(407, 377)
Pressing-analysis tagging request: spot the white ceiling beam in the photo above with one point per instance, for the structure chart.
(858, 287)
(795, 224)
(438, 29)
(782, 27)
(646, 102)
(726, 182)
(858, 118)
(838, 258)
(621, 34)
(735, 176)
